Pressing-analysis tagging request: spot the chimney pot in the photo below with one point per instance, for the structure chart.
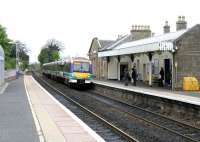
(140, 32)
(179, 18)
(166, 27)
(183, 18)
(181, 23)
(133, 27)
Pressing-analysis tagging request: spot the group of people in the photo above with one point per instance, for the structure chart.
(133, 76)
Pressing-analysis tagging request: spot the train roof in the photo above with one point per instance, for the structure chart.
(66, 60)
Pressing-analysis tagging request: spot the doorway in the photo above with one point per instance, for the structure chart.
(144, 72)
(122, 68)
(167, 63)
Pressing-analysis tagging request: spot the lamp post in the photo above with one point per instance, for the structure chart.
(17, 57)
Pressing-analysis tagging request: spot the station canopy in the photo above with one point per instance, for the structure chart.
(157, 43)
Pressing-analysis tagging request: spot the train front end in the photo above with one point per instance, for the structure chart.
(81, 72)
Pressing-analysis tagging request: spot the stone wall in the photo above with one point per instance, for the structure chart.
(162, 105)
(188, 56)
(93, 56)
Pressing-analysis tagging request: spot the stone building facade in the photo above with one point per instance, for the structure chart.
(187, 56)
(98, 64)
(177, 52)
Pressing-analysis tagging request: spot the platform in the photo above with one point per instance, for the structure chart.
(16, 120)
(186, 97)
(57, 123)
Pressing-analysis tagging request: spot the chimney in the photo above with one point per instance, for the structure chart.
(166, 28)
(140, 32)
(181, 23)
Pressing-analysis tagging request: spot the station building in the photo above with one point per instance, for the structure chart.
(177, 52)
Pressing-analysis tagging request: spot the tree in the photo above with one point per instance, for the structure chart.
(5, 42)
(50, 52)
(54, 44)
(22, 52)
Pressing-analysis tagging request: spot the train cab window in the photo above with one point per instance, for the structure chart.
(81, 67)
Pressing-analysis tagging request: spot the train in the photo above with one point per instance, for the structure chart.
(73, 71)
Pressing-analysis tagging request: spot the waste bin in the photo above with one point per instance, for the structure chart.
(190, 84)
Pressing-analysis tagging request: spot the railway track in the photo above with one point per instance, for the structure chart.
(184, 132)
(106, 130)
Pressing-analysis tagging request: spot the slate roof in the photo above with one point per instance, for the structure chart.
(162, 42)
(105, 43)
(117, 42)
(169, 37)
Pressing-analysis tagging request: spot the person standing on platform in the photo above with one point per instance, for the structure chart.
(134, 75)
(162, 77)
(126, 76)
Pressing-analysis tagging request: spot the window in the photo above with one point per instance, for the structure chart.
(81, 67)
(67, 67)
(155, 66)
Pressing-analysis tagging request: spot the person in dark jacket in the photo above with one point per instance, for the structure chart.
(162, 73)
(126, 76)
(134, 75)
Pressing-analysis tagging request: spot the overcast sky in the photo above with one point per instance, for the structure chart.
(76, 22)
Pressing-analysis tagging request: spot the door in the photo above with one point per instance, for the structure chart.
(122, 68)
(144, 72)
(167, 71)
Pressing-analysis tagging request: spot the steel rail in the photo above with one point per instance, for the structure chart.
(110, 125)
(151, 122)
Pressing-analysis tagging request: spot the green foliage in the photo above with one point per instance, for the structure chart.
(10, 63)
(5, 43)
(48, 55)
(10, 51)
(50, 52)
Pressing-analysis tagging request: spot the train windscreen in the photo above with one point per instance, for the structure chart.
(81, 67)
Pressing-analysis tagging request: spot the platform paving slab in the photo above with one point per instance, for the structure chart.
(56, 124)
(16, 120)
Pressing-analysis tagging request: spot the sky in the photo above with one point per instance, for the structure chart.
(76, 22)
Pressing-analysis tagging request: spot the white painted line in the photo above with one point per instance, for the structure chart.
(85, 126)
(3, 88)
(37, 124)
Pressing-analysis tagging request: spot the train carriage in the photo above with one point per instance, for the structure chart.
(71, 71)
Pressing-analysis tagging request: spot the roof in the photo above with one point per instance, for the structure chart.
(70, 59)
(117, 42)
(102, 43)
(170, 37)
(161, 42)
(105, 43)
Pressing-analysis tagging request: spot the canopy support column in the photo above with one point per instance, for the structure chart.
(150, 68)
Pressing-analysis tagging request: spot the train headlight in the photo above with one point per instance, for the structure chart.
(90, 76)
(72, 75)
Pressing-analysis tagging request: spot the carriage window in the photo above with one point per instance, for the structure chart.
(67, 67)
(81, 67)
(60, 67)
